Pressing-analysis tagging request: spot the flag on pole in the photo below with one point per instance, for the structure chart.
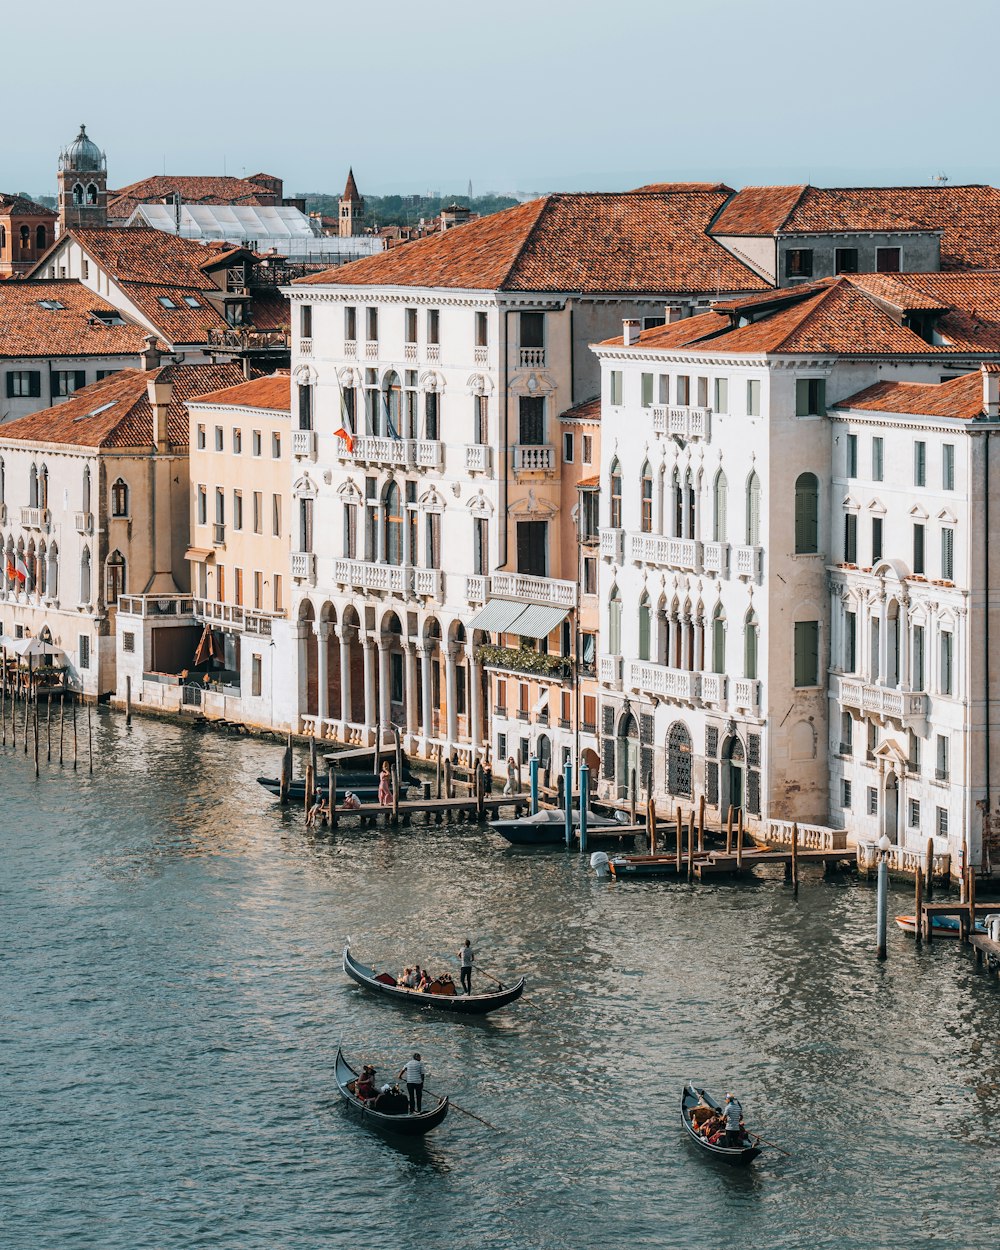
(16, 569)
(347, 437)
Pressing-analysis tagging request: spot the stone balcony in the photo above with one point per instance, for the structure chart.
(908, 707)
(374, 575)
(713, 690)
(534, 589)
(685, 423)
(403, 453)
(745, 695)
(609, 671)
(305, 347)
(477, 588)
(304, 566)
(36, 519)
(531, 357)
(371, 350)
(84, 522)
(715, 558)
(479, 458)
(613, 545)
(663, 682)
(304, 444)
(235, 617)
(532, 458)
(677, 553)
(351, 348)
(429, 584)
(748, 562)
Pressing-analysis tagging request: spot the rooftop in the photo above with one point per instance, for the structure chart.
(960, 398)
(21, 206)
(62, 318)
(586, 410)
(272, 393)
(192, 189)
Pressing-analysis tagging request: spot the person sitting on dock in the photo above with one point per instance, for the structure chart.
(385, 785)
(732, 1113)
(318, 813)
(351, 802)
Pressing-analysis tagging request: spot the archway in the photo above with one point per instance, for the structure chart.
(627, 760)
(430, 679)
(890, 808)
(308, 661)
(733, 775)
(352, 665)
(679, 759)
(328, 626)
(392, 670)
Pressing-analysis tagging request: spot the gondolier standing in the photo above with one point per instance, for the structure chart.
(414, 1074)
(732, 1114)
(466, 956)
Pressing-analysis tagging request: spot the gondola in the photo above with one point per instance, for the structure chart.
(366, 788)
(460, 1004)
(943, 926)
(405, 1124)
(738, 1155)
(548, 828)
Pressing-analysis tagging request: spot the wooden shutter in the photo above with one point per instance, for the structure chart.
(806, 653)
(712, 783)
(608, 759)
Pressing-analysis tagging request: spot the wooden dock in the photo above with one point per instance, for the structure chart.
(435, 811)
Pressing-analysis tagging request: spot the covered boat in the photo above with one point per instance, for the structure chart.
(693, 1096)
(415, 1125)
(942, 926)
(548, 828)
(444, 998)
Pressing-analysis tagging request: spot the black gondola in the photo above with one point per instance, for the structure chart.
(366, 788)
(407, 1125)
(460, 1004)
(691, 1098)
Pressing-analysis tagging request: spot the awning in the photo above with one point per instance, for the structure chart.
(528, 620)
(199, 553)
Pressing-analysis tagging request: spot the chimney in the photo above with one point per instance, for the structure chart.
(630, 332)
(159, 393)
(151, 355)
(991, 390)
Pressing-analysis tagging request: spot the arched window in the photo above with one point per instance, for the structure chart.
(718, 640)
(751, 642)
(85, 575)
(806, 514)
(91, 193)
(3, 237)
(689, 505)
(119, 498)
(43, 487)
(85, 493)
(679, 759)
(29, 564)
(41, 238)
(114, 586)
(33, 487)
(614, 622)
(720, 494)
(3, 482)
(644, 627)
(53, 572)
(753, 510)
(25, 233)
(77, 194)
(392, 405)
(41, 569)
(646, 485)
(393, 525)
(615, 518)
(678, 508)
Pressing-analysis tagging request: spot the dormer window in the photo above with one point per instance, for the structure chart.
(52, 305)
(799, 263)
(192, 301)
(166, 302)
(108, 316)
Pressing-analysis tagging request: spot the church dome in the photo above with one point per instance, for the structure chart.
(83, 154)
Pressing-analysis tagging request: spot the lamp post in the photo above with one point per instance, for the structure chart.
(884, 846)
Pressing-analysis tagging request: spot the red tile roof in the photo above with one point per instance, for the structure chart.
(350, 188)
(757, 211)
(192, 189)
(116, 413)
(273, 392)
(590, 483)
(28, 329)
(19, 205)
(643, 243)
(587, 410)
(972, 301)
(142, 254)
(961, 398)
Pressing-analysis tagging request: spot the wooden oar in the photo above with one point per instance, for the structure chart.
(773, 1145)
(471, 1115)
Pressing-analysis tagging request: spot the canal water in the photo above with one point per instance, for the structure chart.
(171, 1001)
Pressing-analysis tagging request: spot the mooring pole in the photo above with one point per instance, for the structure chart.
(584, 800)
(918, 906)
(568, 801)
(533, 774)
(883, 907)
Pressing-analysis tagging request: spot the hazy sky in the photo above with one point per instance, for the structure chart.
(512, 94)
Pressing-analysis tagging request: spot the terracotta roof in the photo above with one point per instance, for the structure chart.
(190, 318)
(193, 189)
(590, 483)
(270, 310)
(116, 412)
(351, 188)
(678, 333)
(272, 392)
(586, 410)
(967, 216)
(29, 329)
(972, 301)
(894, 289)
(142, 254)
(646, 243)
(961, 398)
(19, 205)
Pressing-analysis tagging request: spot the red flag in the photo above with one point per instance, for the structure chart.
(16, 569)
(347, 437)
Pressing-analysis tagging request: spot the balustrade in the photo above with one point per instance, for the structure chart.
(304, 444)
(478, 458)
(667, 683)
(609, 671)
(613, 545)
(304, 566)
(534, 589)
(531, 357)
(531, 458)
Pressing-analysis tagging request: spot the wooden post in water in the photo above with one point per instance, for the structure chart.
(90, 740)
(448, 789)
(394, 783)
(691, 846)
(27, 707)
(313, 757)
(48, 731)
(35, 720)
(480, 790)
(632, 787)
(701, 822)
(929, 867)
(399, 754)
(739, 842)
(128, 700)
(3, 693)
(283, 779)
(62, 723)
(520, 784)
(971, 893)
(307, 800)
(729, 830)
(680, 835)
(651, 823)
(331, 785)
(794, 865)
(74, 733)
(918, 905)
(882, 909)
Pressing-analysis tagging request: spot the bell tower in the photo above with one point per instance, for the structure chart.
(83, 184)
(352, 209)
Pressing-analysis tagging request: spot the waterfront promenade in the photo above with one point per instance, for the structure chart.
(171, 1000)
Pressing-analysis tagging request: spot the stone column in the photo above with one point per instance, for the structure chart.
(425, 684)
(384, 684)
(345, 675)
(475, 714)
(371, 711)
(412, 718)
(883, 640)
(451, 694)
(322, 630)
(904, 644)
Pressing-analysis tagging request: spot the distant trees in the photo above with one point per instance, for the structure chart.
(407, 210)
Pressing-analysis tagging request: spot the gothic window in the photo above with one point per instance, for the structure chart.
(644, 630)
(393, 525)
(753, 511)
(679, 759)
(719, 498)
(114, 586)
(719, 640)
(53, 572)
(91, 193)
(119, 498)
(615, 518)
(615, 622)
(85, 576)
(751, 640)
(646, 486)
(77, 194)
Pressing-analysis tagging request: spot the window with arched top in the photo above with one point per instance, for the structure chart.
(85, 493)
(91, 193)
(644, 627)
(615, 516)
(751, 644)
(85, 575)
(646, 489)
(25, 236)
(392, 397)
(41, 238)
(678, 509)
(43, 487)
(679, 759)
(615, 622)
(119, 498)
(719, 640)
(3, 482)
(114, 583)
(753, 510)
(806, 514)
(689, 505)
(41, 569)
(393, 520)
(305, 406)
(720, 501)
(53, 572)
(77, 194)
(33, 486)
(3, 238)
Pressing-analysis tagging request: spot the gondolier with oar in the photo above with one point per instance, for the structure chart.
(467, 957)
(413, 1071)
(732, 1115)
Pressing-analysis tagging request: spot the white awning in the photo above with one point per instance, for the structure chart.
(528, 620)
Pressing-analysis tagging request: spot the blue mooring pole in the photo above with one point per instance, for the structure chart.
(584, 800)
(568, 801)
(883, 907)
(533, 769)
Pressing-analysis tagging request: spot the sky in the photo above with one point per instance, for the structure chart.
(512, 95)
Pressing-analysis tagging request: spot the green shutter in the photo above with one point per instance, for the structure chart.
(802, 398)
(807, 653)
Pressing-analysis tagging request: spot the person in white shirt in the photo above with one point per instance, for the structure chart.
(467, 957)
(732, 1115)
(413, 1071)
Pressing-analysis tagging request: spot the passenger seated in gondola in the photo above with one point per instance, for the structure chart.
(403, 978)
(443, 985)
(424, 985)
(364, 1086)
(413, 980)
(700, 1114)
(712, 1125)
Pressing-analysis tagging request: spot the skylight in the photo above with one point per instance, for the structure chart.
(53, 305)
(97, 411)
(191, 301)
(166, 301)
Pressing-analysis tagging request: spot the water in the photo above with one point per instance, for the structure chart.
(171, 1000)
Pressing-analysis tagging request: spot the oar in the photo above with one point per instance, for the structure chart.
(478, 968)
(453, 1103)
(773, 1145)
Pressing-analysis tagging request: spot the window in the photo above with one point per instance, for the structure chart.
(919, 464)
(850, 538)
(306, 321)
(646, 503)
(114, 586)
(753, 398)
(480, 545)
(119, 498)
(501, 746)
(878, 458)
(276, 516)
(531, 420)
(258, 589)
(644, 627)
(615, 514)
(101, 374)
(255, 681)
(751, 646)
(807, 653)
(806, 514)
(350, 323)
(482, 329)
(846, 260)
(872, 801)
(238, 587)
(942, 822)
(258, 512)
(647, 390)
(876, 540)
(433, 532)
(532, 329)
(845, 794)
(810, 397)
(614, 622)
(568, 448)
(753, 511)
(913, 816)
(350, 531)
(702, 392)
(616, 387)
(410, 325)
(24, 383)
(255, 443)
(918, 548)
(664, 388)
(851, 642)
(852, 455)
(588, 449)
(947, 554)
(948, 467)
(947, 653)
(912, 752)
(590, 501)
(237, 509)
(683, 390)
(66, 381)
(237, 442)
(202, 506)
(941, 770)
(166, 301)
(721, 394)
(372, 324)
(532, 548)
(589, 575)
(278, 605)
(799, 262)
(191, 301)
(720, 500)
(83, 650)
(431, 415)
(846, 733)
(219, 438)
(887, 260)
(200, 441)
(433, 325)
(276, 446)
(918, 657)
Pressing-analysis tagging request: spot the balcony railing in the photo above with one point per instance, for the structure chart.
(748, 562)
(609, 671)
(713, 689)
(304, 444)
(304, 566)
(305, 347)
(482, 355)
(667, 683)
(35, 518)
(409, 351)
(372, 575)
(613, 545)
(715, 558)
(746, 695)
(401, 452)
(902, 705)
(478, 458)
(350, 348)
(428, 583)
(531, 357)
(531, 458)
(218, 534)
(434, 351)
(157, 605)
(476, 589)
(533, 663)
(678, 553)
(428, 454)
(534, 589)
(371, 349)
(235, 616)
(84, 522)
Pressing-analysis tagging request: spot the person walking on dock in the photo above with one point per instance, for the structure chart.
(732, 1115)
(467, 957)
(385, 786)
(413, 1071)
(511, 787)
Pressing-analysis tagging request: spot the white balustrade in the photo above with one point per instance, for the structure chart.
(688, 423)
(713, 689)
(304, 566)
(715, 558)
(748, 562)
(534, 589)
(305, 347)
(482, 355)
(746, 695)
(529, 458)
(809, 838)
(371, 575)
(429, 454)
(409, 351)
(350, 348)
(434, 351)
(476, 589)
(613, 545)
(659, 420)
(371, 350)
(609, 671)
(478, 458)
(901, 705)
(531, 357)
(429, 583)
(35, 518)
(668, 683)
(304, 444)
(678, 553)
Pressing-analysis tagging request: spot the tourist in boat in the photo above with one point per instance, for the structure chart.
(403, 980)
(364, 1086)
(467, 957)
(732, 1114)
(385, 786)
(424, 984)
(413, 980)
(413, 1072)
(390, 1101)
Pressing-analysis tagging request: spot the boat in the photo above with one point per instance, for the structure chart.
(444, 999)
(625, 866)
(943, 926)
(690, 1098)
(406, 1124)
(548, 828)
(365, 787)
